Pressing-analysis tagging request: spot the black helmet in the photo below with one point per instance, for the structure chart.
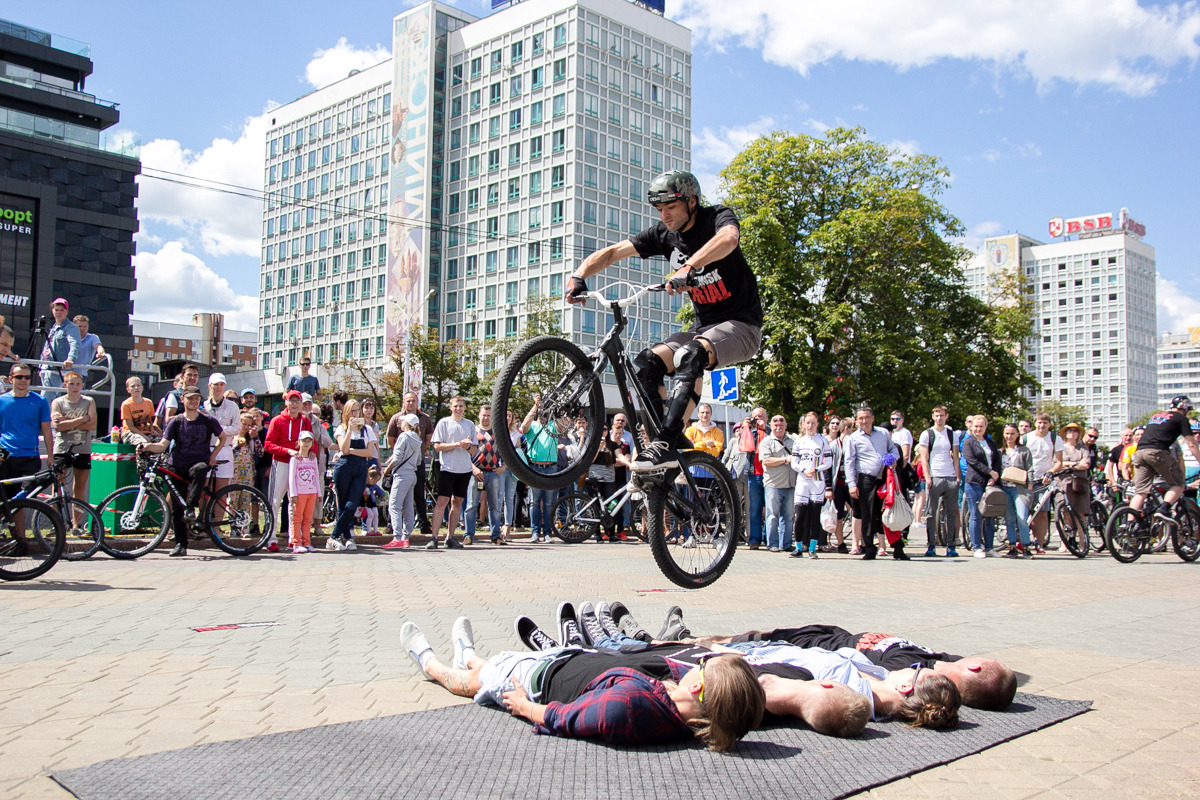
(674, 185)
(1181, 402)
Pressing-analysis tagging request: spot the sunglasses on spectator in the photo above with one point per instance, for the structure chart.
(21, 377)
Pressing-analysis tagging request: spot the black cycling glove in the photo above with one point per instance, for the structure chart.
(576, 286)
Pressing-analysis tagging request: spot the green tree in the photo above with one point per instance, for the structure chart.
(543, 317)
(448, 368)
(862, 285)
(1060, 413)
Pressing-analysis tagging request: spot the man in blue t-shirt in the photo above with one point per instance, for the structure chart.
(23, 415)
(305, 383)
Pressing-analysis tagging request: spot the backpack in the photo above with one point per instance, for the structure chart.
(994, 503)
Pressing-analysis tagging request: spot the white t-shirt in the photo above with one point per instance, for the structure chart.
(941, 462)
(1043, 452)
(366, 434)
(229, 414)
(448, 431)
(901, 437)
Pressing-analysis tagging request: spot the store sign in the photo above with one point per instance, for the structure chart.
(15, 220)
(1093, 224)
(1128, 223)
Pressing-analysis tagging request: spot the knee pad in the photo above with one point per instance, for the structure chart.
(690, 361)
(650, 371)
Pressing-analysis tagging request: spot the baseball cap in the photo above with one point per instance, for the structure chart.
(411, 419)
(61, 301)
(304, 435)
(188, 391)
(216, 377)
(306, 397)
(247, 391)
(291, 394)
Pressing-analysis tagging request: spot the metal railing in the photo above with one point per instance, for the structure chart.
(104, 386)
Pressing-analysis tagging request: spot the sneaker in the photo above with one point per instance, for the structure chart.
(605, 617)
(533, 539)
(656, 456)
(189, 515)
(812, 554)
(589, 625)
(349, 545)
(1041, 551)
(869, 553)
(415, 644)
(309, 548)
(568, 628)
(273, 547)
(453, 544)
(332, 544)
(1166, 514)
(533, 636)
(433, 545)
(405, 543)
(394, 544)
(843, 549)
(951, 553)
(463, 637)
(930, 553)
(626, 624)
(467, 540)
(689, 543)
(772, 549)
(980, 554)
(900, 555)
(753, 545)
(796, 554)
(1013, 552)
(622, 536)
(673, 627)
(178, 550)
(299, 548)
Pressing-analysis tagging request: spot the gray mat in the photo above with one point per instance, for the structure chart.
(472, 752)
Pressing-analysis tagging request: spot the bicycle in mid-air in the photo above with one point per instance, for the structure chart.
(693, 521)
(238, 518)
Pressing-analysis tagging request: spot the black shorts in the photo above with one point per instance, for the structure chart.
(75, 460)
(18, 467)
(454, 484)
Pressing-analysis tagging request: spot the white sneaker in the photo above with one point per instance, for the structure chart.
(349, 545)
(463, 637)
(299, 549)
(309, 548)
(333, 544)
(980, 554)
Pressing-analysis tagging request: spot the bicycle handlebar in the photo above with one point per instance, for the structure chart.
(625, 302)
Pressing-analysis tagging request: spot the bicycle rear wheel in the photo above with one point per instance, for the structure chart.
(576, 517)
(1097, 520)
(564, 377)
(31, 539)
(702, 523)
(1071, 530)
(84, 529)
(1122, 533)
(131, 531)
(1185, 539)
(239, 519)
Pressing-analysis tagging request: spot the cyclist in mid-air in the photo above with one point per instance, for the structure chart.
(701, 245)
(1153, 457)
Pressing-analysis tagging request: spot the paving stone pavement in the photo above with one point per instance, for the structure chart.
(98, 659)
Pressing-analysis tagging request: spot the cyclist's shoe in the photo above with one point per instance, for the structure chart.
(655, 457)
(1166, 514)
(273, 547)
(189, 515)
(534, 637)
(179, 550)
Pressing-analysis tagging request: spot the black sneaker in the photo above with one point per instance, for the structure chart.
(568, 628)
(453, 544)
(626, 624)
(843, 549)
(673, 628)
(589, 625)
(656, 456)
(533, 636)
(796, 554)
(180, 550)
(607, 622)
(433, 544)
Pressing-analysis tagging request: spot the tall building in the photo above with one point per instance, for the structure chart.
(1095, 304)
(1179, 366)
(67, 214)
(500, 150)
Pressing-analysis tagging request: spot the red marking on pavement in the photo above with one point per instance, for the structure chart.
(234, 626)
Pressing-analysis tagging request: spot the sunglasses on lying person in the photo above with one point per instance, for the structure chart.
(916, 668)
(702, 660)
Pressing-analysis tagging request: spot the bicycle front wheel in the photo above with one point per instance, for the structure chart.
(239, 519)
(31, 539)
(1071, 530)
(576, 517)
(1185, 539)
(1123, 535)
(1097, 520)
(693, 526)
(556, 370)
(85, 531)
(133, 527)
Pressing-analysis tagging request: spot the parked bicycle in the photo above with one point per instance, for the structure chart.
(1076, 535)
(84, 530)
(569, 384)
(32, 536)
(580, 515)
(238, 518)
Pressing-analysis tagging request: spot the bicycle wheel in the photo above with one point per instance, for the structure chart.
(641, 522)
(239, 519)
(1185, 539)
(964, 523)
(130, 530)
(84, 529)
(1096, 522)
(935, 529)
(703, 523)
(564, 377)
(31, 539)
(576, 517)
(1071, 530)
(329, 507)
(1123, 535)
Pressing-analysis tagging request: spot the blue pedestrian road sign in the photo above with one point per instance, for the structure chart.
(725, 385)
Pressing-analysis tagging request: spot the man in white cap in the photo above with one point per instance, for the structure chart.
(227, 413)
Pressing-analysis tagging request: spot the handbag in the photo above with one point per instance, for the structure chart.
(993, 503)
(1078, 483)
(898, 515)
(1015, 475)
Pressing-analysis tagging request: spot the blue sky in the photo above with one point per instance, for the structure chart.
(1062, 108)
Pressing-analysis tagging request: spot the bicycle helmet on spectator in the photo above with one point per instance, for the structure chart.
(675, 185)
(1181, 402)
(1196, 426)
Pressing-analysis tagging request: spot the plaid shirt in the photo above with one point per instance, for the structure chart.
(621, 706)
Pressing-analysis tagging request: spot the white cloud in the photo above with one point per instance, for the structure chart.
(973, 238)
(905, 147)
(223, 222)
(992, 155)
(717, 148)
(1117, 44)
(173, 284)
(335, 63)
(1176, 310)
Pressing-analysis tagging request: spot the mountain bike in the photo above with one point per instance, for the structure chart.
(32, 536)
(84, 530)
(567, 384)
(582, 514)
(1130, 533)
(238, 518)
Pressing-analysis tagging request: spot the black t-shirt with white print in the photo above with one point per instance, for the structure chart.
(725, 289)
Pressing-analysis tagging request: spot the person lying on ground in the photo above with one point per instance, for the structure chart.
(571, 692)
